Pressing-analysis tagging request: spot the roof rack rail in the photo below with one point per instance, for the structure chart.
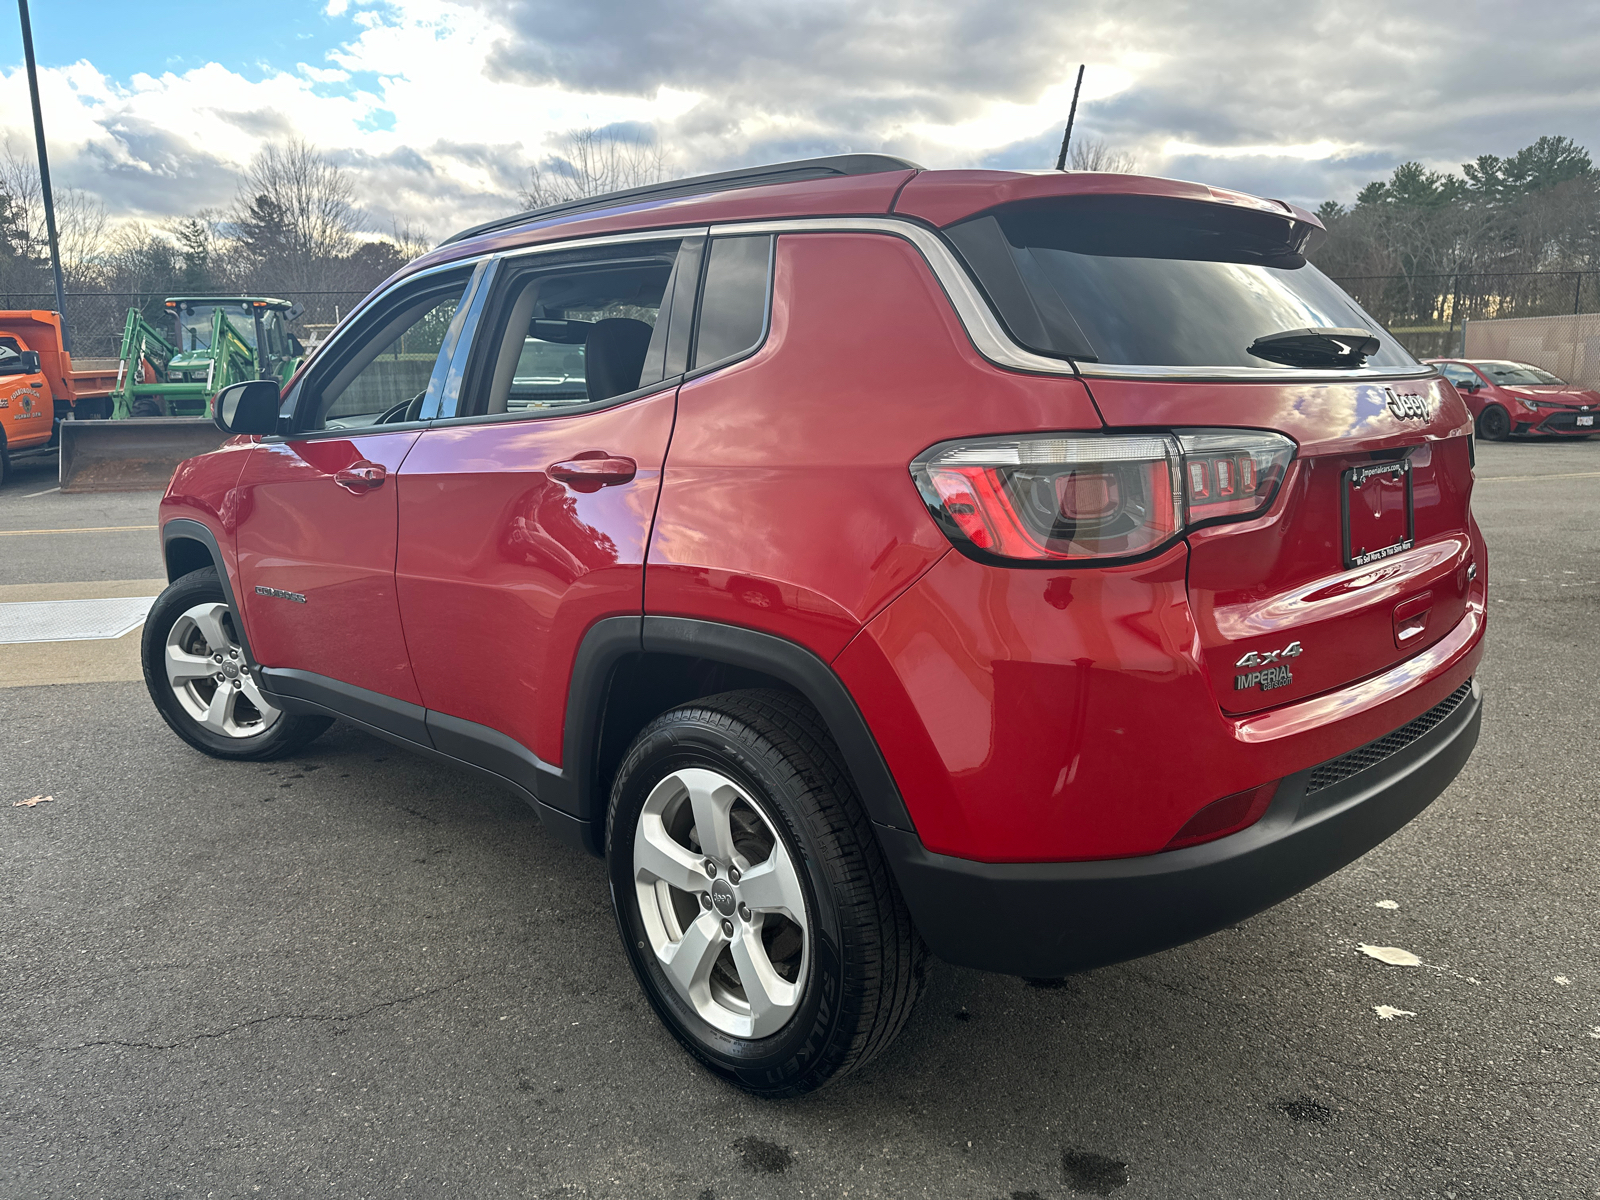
(723, 181)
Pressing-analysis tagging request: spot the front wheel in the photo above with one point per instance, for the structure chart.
(754, 904)
(195, 671)
(1494, 424)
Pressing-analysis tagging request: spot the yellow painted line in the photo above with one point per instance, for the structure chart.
(1525, 478)
(86, 529)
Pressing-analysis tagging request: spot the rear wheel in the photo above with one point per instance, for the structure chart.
(195, 671)
(1494, 424)
(752, 899)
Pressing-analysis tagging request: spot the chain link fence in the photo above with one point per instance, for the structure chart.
(1426, 312)
(97, 319)
(1567, 346)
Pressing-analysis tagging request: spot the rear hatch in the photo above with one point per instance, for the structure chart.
(1311, 568)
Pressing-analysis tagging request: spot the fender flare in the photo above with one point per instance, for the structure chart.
(187, 529)
(608, 641)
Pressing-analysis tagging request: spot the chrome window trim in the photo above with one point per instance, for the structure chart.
(989, 336)
(608, 239)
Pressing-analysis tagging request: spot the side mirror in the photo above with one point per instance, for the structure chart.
(249, 407)
(1472, 385)
(30, 362)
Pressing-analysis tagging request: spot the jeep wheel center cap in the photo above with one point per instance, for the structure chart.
(722, 897)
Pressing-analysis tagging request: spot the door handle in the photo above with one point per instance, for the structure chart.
(360, 476)
(593, 470)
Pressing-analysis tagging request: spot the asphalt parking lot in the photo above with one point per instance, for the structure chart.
(357, 973)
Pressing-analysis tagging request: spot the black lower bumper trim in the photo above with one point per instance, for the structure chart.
(1050, 919)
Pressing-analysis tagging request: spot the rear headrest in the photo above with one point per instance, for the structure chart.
(614, 356)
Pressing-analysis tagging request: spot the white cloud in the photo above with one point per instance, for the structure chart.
(439, 107)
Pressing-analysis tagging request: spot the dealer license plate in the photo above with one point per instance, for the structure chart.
(1379, 518)
(1586, 420)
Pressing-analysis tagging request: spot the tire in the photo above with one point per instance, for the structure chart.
(5, 460)
(1494, 424)
(815, 916)
(144, 406)
(189, 624)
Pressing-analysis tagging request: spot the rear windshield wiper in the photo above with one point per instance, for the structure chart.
(1317, 347)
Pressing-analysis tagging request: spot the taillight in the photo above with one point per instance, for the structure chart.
(1064, 498)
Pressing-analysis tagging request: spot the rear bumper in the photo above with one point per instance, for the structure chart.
(1049, 919)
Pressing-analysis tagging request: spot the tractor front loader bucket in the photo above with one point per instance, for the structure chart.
(135, 455)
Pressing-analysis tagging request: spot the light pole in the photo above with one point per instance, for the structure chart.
(44, 173)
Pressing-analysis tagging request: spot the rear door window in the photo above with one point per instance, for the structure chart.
(733, 303)
(575, 331)
(1119, 280)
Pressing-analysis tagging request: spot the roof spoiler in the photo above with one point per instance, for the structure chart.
(700, 185)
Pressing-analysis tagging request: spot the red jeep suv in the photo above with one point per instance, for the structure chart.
(1038, 569)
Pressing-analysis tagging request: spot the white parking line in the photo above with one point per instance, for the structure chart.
(46, 492)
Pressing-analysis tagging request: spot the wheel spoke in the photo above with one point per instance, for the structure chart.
(771, 997)
(252, 692)
(657, 856)
(183, 667)
(219, 713)
(773, 886)
(209, 622)
(712, 797)
(689, 961)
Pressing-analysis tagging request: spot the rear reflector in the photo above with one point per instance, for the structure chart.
(1225, 816)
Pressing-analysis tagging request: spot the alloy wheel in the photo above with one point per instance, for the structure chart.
(721, 902)
(208, 674)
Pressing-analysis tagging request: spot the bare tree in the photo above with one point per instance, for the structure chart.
(82, 225)
(1093, 154)
(295, 215)
(591, 162)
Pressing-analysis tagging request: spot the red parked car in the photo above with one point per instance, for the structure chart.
(1040, 569)
(1510, 399)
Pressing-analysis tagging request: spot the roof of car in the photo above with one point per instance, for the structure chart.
(800, 170)
(268, 301)
(841, 185)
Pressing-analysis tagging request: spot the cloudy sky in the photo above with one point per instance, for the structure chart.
(439, 107)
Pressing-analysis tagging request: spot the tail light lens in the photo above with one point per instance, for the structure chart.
(1052, 498)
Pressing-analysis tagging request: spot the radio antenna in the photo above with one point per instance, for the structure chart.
(1061, 162)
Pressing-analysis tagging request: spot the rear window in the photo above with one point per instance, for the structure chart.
(1126, 280)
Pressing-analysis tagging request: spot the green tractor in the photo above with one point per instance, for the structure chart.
(216, 341)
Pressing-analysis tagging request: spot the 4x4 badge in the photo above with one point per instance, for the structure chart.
(1275, 672)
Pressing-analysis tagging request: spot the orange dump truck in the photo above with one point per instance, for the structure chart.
(39, 387)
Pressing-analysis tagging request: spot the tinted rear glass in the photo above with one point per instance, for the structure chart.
(733, 308)
(1178, 285)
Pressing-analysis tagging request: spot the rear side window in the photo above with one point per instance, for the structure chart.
(579, 331)
(733, 304)
(1126, 280)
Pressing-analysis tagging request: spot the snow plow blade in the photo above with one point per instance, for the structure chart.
(135, 455)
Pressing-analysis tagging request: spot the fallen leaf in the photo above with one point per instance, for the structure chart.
(1388, 1013)
(1563, 980)
(1386, 904)
(1392, 955)
(37, 800)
